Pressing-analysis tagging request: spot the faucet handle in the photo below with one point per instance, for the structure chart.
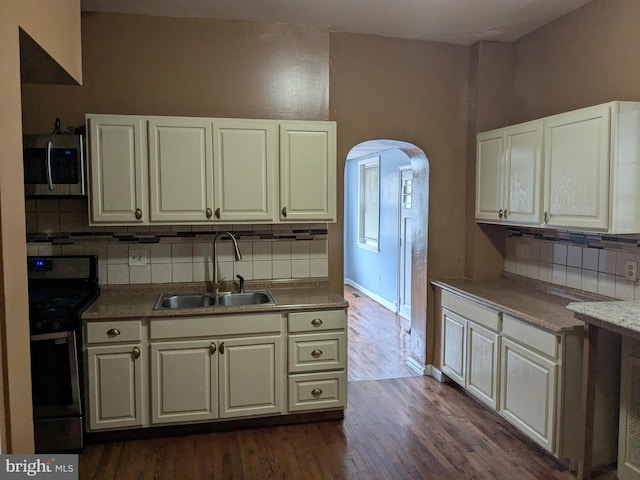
(241, 283)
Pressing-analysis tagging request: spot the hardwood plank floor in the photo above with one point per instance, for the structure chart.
(378, 340)
(410, 427)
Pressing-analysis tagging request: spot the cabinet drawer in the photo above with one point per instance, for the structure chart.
(317, 351)
(214, 325)
(113, 332)
(530, 336)
(472, 311)
(317, 321)
(316, 391)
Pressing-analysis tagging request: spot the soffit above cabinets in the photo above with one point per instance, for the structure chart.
(460, 22)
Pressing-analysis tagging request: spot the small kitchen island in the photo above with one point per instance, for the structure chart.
(622, 317)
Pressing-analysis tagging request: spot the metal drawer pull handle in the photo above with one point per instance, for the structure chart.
(222, 348)
(284, 211)
(218, 212)
(136, 352)
(212, 348)
(113, 332)
(316, 322)
(500, 213)
(316, 353)
(138, 214)
(208, 212)
(316, 392)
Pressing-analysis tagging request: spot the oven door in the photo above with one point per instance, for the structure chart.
(55, 381)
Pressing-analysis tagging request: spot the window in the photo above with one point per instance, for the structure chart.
(369, 203)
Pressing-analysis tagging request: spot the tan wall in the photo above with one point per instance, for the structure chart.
(136, 64)
(415, 92)
(587, 57)
(55, 25)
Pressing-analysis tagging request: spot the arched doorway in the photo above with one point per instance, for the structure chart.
(399, 154)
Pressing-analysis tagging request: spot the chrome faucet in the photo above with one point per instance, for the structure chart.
(237, 254)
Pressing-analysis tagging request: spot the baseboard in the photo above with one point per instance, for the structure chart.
(437, 374)
(417, 366)
(376, 298)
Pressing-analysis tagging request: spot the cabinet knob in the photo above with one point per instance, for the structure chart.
(500, 214)
(136, 352)
(316, 353)
(113, 332)
(316, 392)
(316, 322)
(222, 348)
(218, 213)
(546, 217)
(284, 211)
(506, 212)
(138, 214)
(208, 212)
(212, 348)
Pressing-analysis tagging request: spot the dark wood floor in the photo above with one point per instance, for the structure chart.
(395, 428)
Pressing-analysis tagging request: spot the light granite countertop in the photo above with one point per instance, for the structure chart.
(137, 302)
(539, 303)
(622, 316)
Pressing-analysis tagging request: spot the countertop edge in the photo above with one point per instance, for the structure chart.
(518, 313)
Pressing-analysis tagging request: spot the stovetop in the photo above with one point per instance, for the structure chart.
(60, 288)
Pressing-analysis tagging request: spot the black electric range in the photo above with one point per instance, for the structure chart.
(60, 289)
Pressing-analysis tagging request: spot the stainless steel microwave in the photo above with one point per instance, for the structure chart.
(54, 165)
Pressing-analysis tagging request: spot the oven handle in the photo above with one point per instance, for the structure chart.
(49, 176)
(50, 336)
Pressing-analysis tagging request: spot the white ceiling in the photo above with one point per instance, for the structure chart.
(461, 22)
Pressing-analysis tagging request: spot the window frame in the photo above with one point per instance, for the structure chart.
(365, 241)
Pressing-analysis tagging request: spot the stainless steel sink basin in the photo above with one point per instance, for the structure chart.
(170, 301)
(246, 298)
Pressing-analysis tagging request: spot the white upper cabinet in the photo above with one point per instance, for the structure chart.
(591, 178)
(308, 171)
(577, 169)
(509, 174)
(183, 170)
(490, 176)
(117, 169)
(180, 169)
(245, 167)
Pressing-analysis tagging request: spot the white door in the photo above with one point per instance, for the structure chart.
(404, 281)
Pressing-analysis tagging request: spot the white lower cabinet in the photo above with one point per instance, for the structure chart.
(184, 381)
(180, 370)
(317, 360)
(115, 374)
(529, 375)
(528, 392)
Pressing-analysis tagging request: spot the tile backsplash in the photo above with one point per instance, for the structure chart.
(588, 262)
(176, 253)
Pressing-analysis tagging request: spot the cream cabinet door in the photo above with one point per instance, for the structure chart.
(184, 381)
(453, 346)
(482, 368)
(181, 169)
(245, 170)
(577, 146)
(490, 176)
(117, 169)
(114, 386)
(251, 376)
(308, 171)
(523, 174)
(528, 392)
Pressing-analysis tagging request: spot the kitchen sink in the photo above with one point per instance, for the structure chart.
(171, 301)
(245, 298)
